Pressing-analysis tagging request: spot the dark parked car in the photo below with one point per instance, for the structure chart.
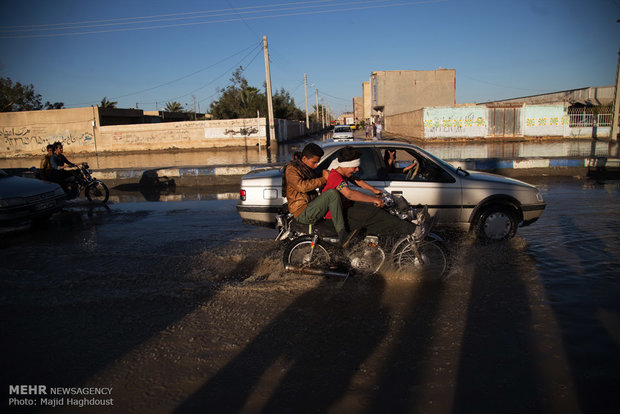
(23, 199)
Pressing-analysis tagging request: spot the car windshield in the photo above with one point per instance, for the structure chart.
(342, 129)
(440, 161)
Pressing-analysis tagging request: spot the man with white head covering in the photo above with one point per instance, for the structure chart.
(362, 210)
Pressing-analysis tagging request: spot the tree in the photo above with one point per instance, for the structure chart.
(284, 107)
(18, 97)
(239, 100)
(107, 104)
(55, 105)
(174, 106)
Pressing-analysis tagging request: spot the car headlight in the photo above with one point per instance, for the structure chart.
(539, 196)
(10, 202)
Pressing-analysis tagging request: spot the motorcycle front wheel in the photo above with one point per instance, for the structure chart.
(97, 191)
(427, 259)
(299, 253)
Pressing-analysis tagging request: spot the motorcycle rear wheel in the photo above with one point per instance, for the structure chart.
(299, 253)
(430, 262)
(97, 191)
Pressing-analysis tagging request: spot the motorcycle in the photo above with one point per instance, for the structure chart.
(313, 249)
(82, 179)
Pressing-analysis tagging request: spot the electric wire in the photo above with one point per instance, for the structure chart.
(385, 3)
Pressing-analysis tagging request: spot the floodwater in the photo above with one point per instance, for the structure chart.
(179, 306)
(511, 150)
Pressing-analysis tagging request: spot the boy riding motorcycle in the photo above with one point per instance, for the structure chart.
(300, 183)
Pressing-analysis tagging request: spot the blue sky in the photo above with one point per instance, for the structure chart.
(156, 51)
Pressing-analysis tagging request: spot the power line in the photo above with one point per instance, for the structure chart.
(258, 51)
(160, 15)
(187, 76)
(269, 16)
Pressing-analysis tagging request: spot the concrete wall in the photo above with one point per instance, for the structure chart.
(410, 124)
(545, 120)
(29, 132)
(455, 122)
(287, 130)
(473, 121)
(182, 135)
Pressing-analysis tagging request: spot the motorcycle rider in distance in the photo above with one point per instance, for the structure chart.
(60, 164)
(300, 182)
(362, 210)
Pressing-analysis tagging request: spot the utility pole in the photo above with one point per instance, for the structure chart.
(615, 118)
(307, 114)
(272, 130)
(318, 118)
(323, 111)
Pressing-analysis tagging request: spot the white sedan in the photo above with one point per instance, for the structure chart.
(490, 205)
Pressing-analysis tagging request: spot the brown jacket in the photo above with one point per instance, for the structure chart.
(300, 189)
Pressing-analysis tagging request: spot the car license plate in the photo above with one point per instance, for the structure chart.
(43, 206)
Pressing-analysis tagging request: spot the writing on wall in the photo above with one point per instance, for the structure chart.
(454, 122)
(27, 139)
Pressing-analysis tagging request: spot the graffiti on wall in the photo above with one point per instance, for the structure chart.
(467, 125)
(26, 139)
(543, 121)
(242, 131)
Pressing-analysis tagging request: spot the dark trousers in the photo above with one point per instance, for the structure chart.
(376, 220)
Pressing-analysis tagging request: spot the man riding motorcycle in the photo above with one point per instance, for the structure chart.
(362, 210)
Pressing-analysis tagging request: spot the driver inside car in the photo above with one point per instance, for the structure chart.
(389, 157)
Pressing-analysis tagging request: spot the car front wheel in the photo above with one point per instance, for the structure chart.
(496, 223)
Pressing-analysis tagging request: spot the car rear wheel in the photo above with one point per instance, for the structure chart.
(496, 223)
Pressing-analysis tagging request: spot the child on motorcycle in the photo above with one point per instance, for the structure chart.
(299, 185)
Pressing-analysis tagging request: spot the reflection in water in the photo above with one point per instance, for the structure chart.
(449, 151)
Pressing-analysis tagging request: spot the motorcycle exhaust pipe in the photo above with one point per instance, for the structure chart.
(317, 272)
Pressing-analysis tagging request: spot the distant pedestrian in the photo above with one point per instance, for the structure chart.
(367, 130)
(374, 129)
(379, 128)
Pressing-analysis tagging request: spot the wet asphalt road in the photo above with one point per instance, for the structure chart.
(101, 296)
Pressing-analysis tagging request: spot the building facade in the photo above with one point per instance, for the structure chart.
(358, 109)
(400, 91)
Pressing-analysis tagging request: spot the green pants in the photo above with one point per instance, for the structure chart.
(317, 208)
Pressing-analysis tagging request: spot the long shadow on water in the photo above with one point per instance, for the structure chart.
(496, 371)
(319, 341)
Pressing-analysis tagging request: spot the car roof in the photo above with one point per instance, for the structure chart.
(363, 143)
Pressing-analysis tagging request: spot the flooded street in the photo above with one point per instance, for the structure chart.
(179, 306)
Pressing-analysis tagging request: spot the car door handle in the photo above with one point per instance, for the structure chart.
(396, 192)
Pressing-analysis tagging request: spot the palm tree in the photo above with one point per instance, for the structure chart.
(107, 104)
(174, 107)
